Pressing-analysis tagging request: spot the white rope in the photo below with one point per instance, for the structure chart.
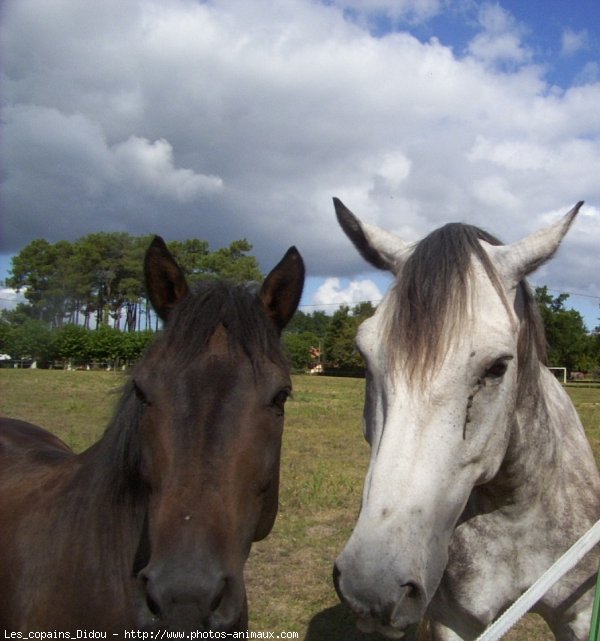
(529, 598)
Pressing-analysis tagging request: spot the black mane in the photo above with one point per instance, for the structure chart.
(235, 306)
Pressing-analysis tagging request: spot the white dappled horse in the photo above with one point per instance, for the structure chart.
(480, 474)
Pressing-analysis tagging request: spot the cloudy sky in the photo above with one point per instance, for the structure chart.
(242, 118)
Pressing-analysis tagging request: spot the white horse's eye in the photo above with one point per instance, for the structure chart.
(498, 369)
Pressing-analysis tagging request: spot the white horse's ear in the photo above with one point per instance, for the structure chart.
(516, 261)
(377, 246)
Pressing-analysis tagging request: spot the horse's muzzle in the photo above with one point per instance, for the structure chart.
(392, 609)
(188, 601)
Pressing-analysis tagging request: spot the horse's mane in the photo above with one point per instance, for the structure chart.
(430, 302)
(236, 307)
(187, 333)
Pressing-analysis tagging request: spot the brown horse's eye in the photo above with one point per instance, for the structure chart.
(278, 402)
(140, 394)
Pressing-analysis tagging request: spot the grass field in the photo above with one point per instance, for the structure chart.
(323, 466)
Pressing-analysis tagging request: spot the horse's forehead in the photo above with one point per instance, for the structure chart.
(218, 344)
(492, 306)
(371, 332)
(489, 320)
(257, 369)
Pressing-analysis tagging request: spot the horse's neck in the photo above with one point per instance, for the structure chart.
(544, 497)
(107, 507)
(549, 466)
(113, 463)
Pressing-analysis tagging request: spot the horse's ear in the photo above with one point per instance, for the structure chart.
(518, 260)
(377, 246)
(282, 288)
(165, 282)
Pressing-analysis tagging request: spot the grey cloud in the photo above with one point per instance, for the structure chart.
(242, 119)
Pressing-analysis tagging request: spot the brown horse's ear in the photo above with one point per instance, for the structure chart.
(165, 282)
(281, 291)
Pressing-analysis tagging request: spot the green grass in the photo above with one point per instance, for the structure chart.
(76, 406)
(324, 461)
(587, 402)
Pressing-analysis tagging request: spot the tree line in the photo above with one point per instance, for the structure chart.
(85, 300)
(86, 306)
(570, 344)
(98, 280)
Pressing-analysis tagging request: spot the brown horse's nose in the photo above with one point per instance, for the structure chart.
(186, 600)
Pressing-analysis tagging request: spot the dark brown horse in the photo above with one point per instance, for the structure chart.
(149, 528)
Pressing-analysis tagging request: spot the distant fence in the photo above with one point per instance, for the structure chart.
(594, 383)
(16, 363)
(575, 379)
(28, 363)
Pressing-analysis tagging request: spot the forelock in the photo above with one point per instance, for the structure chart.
(430, 301)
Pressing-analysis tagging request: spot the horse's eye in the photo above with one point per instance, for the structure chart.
(498, 369)
(278, 402)
(140, 394)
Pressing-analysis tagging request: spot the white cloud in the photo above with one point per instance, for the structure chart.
(515, 155)
(573, 41)
(411, 10)
(589, 74)
(500, 40)
(332, 292)
(9, 298)
(151, 166)
(394, 169)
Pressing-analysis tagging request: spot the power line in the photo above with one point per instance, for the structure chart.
(376, 302)
(360, 302)
(562, 291)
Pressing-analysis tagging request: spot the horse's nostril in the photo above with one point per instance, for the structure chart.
(409, 597)
(218, 598)
(336, 573)
(151, 601)
(153, 606)
(336, 581)
(412, 590)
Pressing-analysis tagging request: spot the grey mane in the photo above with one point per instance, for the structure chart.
(430, 302)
